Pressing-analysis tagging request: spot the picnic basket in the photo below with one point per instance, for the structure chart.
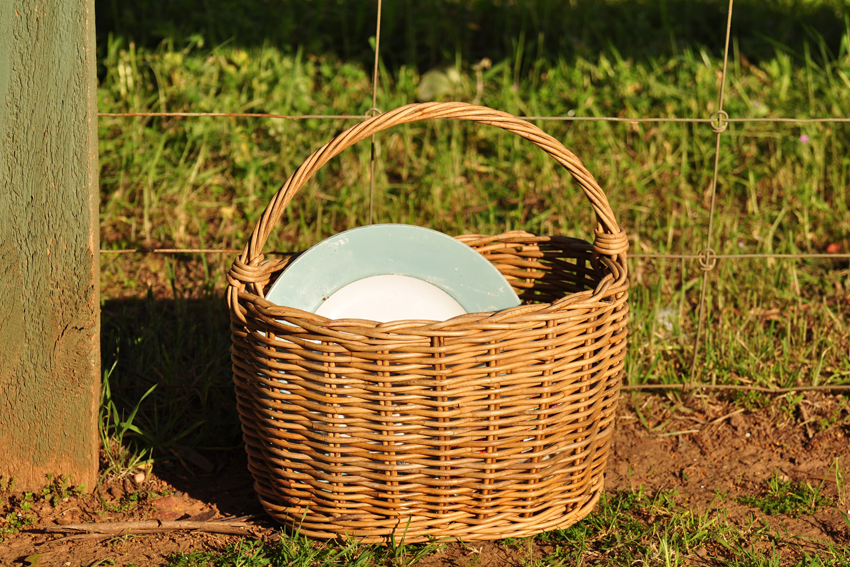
(484, 426)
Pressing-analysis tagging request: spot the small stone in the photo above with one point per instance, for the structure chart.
(139, 478)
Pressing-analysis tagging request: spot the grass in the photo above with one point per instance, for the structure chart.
(122, 457)
(626, 528)
(298, 551)
(787, 497)
(204, 182)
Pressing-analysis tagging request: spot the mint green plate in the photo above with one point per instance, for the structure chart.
(393, 249)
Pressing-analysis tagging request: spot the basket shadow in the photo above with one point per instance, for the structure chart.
(188, 423)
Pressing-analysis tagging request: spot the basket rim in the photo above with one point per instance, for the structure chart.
(610, 287)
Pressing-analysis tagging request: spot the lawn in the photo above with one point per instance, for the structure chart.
(204, 182)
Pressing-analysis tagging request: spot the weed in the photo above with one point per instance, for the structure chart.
(787, 497)
(19, 517)
(289, 550)
(244, 554)
(514, 542)
(128, 502)
(17, 520)
(400, 554)
(836, 416)
(114, 427)
(7, 484)
(753, 401)
(789, 407)
(840, 481)
(192, 559)
(27, 502)
(59, 489)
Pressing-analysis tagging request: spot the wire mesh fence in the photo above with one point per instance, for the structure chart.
(707, 257)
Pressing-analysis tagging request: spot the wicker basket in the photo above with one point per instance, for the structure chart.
(485, 426)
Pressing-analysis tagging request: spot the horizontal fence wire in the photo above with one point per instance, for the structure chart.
(738, 256)
(845, 120)
(630, 256)
(736, 387)
(228, 115)
(632, 387)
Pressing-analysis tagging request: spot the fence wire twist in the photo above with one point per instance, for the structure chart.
(707, 257)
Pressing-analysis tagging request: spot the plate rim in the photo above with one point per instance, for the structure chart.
(308, 294)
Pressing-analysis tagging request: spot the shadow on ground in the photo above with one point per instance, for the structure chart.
(189, 421)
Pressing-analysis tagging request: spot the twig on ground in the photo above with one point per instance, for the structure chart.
(153, 526)
(672, 433)
(79, 537)
(727, 416)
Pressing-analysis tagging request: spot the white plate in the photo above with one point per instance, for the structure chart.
(392, 249)
(390, 298)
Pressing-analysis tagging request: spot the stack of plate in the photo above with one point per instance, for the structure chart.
(392, 272)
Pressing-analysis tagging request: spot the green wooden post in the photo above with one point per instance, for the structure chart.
(49, 261)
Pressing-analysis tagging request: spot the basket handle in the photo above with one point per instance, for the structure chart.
(610, 239)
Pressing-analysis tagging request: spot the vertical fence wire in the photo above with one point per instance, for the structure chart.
(708, 259)
(374, 109)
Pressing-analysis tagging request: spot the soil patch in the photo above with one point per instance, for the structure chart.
(721, 454)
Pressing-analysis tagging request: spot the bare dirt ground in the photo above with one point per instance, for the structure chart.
(734, 454)
(703, 448)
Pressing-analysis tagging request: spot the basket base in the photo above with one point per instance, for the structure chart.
(419, 530)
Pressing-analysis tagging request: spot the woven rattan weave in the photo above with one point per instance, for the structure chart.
(485, 426)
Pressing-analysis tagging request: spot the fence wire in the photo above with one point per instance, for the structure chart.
(707, 257)
(626, 120)
(776, 256)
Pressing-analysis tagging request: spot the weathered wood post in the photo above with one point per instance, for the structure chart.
(49, 262)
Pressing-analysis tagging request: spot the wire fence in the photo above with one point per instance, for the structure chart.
(707, 257)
